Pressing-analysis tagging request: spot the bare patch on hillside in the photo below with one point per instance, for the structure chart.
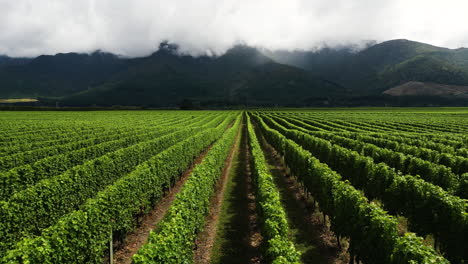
(18, 100)
(426, 88)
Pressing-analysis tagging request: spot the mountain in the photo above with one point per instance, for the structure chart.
(423, 68)
(7, 61)
(243, 75)
(58, 75)
(327, 62)
(381, 66)
(380, 56)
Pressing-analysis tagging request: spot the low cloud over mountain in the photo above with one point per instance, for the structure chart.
(135, 28)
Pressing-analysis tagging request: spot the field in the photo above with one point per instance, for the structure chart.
(12, 101)
(376, 185)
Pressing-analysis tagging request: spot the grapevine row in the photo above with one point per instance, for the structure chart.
(37, 207)
(175, 237)
(82, 235)
(279, 249)
(429, 208)
(434, 173)
(373, 234)
(29, 174)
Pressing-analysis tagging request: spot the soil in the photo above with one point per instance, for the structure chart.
(427, 88)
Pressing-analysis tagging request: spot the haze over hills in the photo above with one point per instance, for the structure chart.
(243, 75)
(7, 61)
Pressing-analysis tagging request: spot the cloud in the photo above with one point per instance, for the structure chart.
(136, 27)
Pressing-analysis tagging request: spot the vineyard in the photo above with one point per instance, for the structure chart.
(266, 186)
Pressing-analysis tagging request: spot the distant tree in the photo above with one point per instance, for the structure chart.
(187, 104)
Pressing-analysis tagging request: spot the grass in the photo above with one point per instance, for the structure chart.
(231, 243)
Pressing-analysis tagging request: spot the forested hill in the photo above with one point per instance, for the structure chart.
(382, 66)
(242, 76)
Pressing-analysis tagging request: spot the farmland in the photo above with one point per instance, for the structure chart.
(377, 185)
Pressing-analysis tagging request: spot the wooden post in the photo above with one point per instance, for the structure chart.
(111, 249)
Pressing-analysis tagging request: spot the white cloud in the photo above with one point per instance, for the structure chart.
(135, 27)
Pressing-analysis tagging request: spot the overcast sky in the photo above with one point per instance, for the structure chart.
(135, 27)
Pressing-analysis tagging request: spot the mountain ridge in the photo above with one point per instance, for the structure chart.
(242, 75)
(362, 71)
(239, 76)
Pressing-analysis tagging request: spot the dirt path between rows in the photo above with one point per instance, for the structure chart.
(238, 237)
(138, 237)
(255, 236)
(206, 238)
(238, 240)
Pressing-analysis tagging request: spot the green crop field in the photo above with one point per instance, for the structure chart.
(387, 185)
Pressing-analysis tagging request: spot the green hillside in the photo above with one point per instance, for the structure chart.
(424, 68)
(241, 76)
(379, 66)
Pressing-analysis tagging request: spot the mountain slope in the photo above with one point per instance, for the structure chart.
(58, 75)
(380, 66)
(242, 75)
(7, 61)
(380, 56)
(423, 68)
